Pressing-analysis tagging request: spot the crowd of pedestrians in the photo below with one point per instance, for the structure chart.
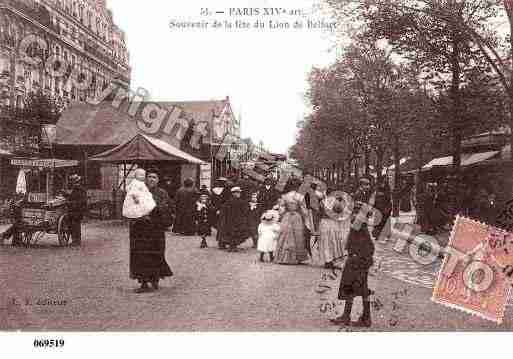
(439, 202)
(284, 227)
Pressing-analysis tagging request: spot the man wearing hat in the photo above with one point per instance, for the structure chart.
(268, 195)
(77, 205)
(236, 229)
(247, 187)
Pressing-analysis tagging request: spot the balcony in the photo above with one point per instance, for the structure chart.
(34, 11)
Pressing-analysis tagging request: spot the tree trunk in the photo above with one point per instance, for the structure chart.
(455, 97)
(510, 92)
(397, 177)
(379, 163)
(366, 159)
(356, 172)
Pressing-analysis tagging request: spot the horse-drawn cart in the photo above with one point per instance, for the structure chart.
(43, 213)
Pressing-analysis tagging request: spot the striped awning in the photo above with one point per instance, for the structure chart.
(467, 159)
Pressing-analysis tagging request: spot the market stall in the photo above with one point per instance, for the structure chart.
(42, 213)
(143, 151)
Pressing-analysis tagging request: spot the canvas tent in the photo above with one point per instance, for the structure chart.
(467, 159)
(142, 148)
(4, 153)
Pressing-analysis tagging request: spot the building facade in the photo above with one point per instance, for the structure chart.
(78, 52)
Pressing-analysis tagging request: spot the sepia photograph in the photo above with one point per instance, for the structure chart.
(291, 166)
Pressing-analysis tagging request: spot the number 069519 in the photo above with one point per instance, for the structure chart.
(48, 343)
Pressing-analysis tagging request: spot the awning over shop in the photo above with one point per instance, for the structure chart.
(467, 159)
(254, 175)
(4, 153)
(145, 148)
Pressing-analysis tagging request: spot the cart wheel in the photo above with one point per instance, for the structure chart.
(63, 230)
(37, 236)
(26, 238)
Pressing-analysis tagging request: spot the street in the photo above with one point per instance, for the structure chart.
(211, 289)
(88, 289)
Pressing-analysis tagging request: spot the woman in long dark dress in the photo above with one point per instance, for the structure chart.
(220, 195)
(148, 240)
(235, 226)
(186, 198)
(360, 250)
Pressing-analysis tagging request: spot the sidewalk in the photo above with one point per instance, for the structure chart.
(408, 307)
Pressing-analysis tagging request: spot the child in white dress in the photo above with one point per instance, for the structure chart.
(268, 231)
(139, 201)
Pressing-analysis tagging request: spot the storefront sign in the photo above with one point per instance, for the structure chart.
(43, 162)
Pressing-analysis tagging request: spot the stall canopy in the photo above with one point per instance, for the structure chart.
(145, 148)
(4, 153)
(467, 159)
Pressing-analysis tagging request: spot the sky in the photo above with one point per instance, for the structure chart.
(262, 71)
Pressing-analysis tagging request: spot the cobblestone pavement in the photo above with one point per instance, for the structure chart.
(402, 267)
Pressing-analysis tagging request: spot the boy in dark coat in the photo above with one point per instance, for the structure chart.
(360, 250)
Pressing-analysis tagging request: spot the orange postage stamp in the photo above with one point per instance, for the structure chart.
(471, 277)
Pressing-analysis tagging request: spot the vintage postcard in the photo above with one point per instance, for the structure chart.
(474, 282)
(256, 166)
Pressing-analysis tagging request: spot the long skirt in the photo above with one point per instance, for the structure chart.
(184, 220)
(333, 237)
(221, 233)
(291, 244)
(147, 253)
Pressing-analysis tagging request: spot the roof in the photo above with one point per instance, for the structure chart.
(145, 148)
(4, 153)
(467, 159)
(104, 124)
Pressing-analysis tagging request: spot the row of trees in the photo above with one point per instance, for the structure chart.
(416, 78)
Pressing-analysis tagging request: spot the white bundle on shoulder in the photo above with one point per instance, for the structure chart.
(139, 201)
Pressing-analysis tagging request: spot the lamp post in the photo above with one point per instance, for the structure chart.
(48, 137)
